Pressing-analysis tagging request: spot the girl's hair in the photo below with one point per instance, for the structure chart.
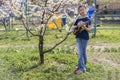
(81, 6)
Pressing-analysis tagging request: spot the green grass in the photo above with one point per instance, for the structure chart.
(23, 66)
(106, 36)
(19, 57)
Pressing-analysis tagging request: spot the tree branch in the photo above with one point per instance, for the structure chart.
(51, 16)
(57, 26)
(43, 15)
(28, 29)
(57, 44)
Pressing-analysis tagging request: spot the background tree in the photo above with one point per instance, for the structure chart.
(4, 16)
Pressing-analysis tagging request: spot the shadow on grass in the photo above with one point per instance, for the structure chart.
(26, 69)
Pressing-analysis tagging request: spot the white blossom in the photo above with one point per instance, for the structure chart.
(19, 11)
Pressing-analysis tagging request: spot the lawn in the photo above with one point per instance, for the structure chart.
(19, 58)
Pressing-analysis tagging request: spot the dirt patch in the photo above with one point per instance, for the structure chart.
(105, 62)
(103, 48)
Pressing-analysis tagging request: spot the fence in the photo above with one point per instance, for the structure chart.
(106, 11)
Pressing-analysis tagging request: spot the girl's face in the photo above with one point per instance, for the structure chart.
(82, 11)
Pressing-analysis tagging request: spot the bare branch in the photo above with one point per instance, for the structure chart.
(57, 44)
(28, 29)
(57, 26)
(47, 23)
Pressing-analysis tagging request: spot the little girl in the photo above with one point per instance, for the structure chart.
(82, 39)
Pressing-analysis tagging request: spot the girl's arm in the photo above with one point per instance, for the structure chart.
(88, 28)
(74, 27)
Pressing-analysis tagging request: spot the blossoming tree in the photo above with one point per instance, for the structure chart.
(47, 11)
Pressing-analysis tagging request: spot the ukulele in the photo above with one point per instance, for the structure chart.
(80, 27)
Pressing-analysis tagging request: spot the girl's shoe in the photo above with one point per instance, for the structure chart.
(77, 72)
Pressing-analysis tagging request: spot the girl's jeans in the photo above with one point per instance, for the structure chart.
(82, 57)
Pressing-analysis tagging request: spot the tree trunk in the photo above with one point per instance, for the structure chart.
(41, 49)
(4, 23)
